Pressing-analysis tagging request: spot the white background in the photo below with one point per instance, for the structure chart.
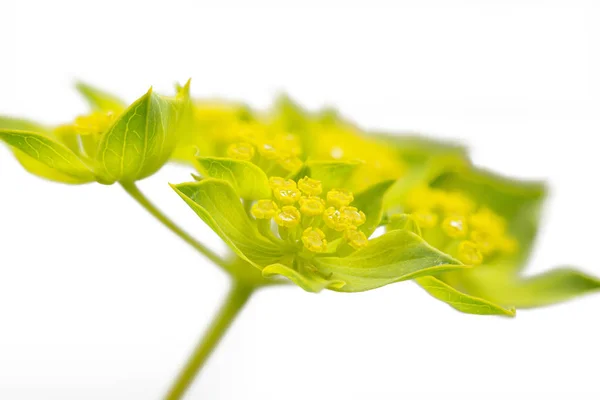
(98, 301)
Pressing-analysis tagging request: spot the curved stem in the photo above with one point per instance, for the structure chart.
(134, 192)
(235, 301)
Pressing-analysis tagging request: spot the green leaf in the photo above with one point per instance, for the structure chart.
(393, 257)
(370, 201)
(519, 202)
(100, 100)
(141, 140)
(8, 123)
(50, 159)
(249, 181)
(332, 174)
(310, 282)
(548, 288)
(219, 206)
(461, 301)
(405, 222)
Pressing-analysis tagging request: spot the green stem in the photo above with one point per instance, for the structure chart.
(134, 192)
(235, 301)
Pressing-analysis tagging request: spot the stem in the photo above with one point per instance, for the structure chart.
(235, 301)
(134, 192)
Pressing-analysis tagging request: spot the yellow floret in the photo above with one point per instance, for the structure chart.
(309, 186)
(469, 253)
(314, 240)
(335, 220)
(339, 197)
(241, 151)
(93, 123)
(353, 215)
(356, 238)
(487, 221)
(286, 195)
(264, 209)
(268, 151)
(276, 181)
(486, 243)
(455, 227)
(312, 206)
(290, 163)
(288, 216)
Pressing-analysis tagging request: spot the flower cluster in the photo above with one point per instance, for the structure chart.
(470, 232)
(306, 220)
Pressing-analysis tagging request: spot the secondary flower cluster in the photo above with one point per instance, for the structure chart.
(303, 218)
(455, 223)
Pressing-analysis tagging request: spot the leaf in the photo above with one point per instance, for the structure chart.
(519, 202)
(219, 206)
(461, 301)
(249, 181)
(309, 282)
(141, 140)
(8, 123)
(332, 174)
(48, 153)
(370, 201)
(100, 100)
(548, 288)
(393, 257)
(405, 222)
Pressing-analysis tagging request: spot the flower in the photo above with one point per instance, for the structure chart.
(316, 241)
(112, 143)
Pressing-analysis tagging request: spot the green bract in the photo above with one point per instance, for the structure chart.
(114, 143)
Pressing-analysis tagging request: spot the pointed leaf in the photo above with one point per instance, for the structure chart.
(219, 206)
(9, 123)
(548, 288)
(461, 301)
(49, 153)
(309, 282)
(248, 180)
(141, 140)
(100, 100)
(370, 201)
(393, 257)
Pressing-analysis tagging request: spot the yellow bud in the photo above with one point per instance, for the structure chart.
(286, 195)
(314, 240)
(353, 215)
(485, 242)
(335, 220)
(487, 221)
(276, 181)
(290, 163)
(264, 209)
(309, 186)
(288, 216)
(312, 206)
(356, 238)
(93, 123)
(455, 227)
(425, 218)
(469, 254)
(241, 151)
(456, 204)
(339, 197)
(268, 151)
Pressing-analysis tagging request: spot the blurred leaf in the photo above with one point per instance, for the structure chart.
(370, 201)
(8, 123)
(219, 206)
(461, 301)
(47, 155)
(544, 289)
(393, 257)
(332, 174)
(100, 100)
(249, 181)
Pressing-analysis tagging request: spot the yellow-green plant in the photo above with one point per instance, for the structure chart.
(310, 199)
